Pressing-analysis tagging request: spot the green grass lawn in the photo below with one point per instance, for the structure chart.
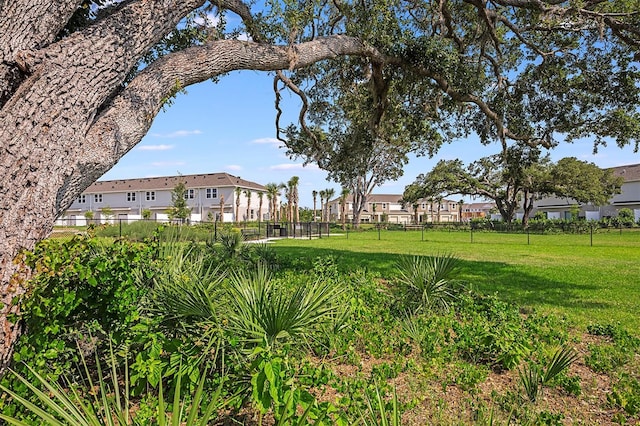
(563, 274)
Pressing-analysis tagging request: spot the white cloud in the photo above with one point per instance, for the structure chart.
(291, 166)
(233, 167)
(270, 141)
(154, 147)
(168, 163)
(177, 134)
(210, 20)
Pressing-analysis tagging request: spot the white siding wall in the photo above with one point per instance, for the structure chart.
(132, 210)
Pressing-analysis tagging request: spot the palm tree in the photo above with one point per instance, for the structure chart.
(272, 196)
(287, 196)
(314, 193)
(343, 206)
(247, 193)
(323, 196)
(293, 192)
(329, 193)
(238, 192)
(260, 197)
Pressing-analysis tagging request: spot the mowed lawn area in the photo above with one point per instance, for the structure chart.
(562, 274)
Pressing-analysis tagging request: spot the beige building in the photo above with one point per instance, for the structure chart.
(127, 199)
(388, 208)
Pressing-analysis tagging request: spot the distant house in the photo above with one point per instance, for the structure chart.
(127, 199)
(388, 208)
(561, 208)
(477, 210)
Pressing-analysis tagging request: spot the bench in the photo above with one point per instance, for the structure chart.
(250, 234)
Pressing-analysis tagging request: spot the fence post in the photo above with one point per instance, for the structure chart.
(422, 232)
(528, 243)
(120, 222)
(379, 232)
(471, 230)
(591, 232)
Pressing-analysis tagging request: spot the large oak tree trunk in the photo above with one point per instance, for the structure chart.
(66, 116)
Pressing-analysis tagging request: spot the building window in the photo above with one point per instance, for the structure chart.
(131, 196)
(151, 195)
(189, 194)
(251, 214)
(82, 199)
(384, 205)
(97, 198)
(212, 192)
(424, 206)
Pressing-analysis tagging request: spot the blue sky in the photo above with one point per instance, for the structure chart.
(229, 127)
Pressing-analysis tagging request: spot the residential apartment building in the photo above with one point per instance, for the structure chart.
(561, 208)
(477, 210)
(388, 208)
(208, 196)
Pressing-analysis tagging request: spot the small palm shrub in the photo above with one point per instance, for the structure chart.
(259, 309)
(231, 245)
(533, 378)
(427, 282)
(187, 287)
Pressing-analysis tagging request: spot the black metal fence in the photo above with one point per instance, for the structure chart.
(194, 230)
(210, 231)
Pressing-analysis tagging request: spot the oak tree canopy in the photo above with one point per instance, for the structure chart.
(82, 80)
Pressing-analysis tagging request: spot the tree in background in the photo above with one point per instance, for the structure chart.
(328, 194)
(221, 208)
(260, 201)
(344, 194)
(272, 197)
(238, 193)
(584, 182)
(179, 209)
(411, 198)
(247, 193)
(292, 189)
(517, 180)
(314, 194)
(323, 196)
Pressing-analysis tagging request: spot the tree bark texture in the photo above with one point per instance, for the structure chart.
(66, 116)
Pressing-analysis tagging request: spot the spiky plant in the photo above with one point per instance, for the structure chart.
(259, 311)
(377, 412)
(427, 282)
(533, 379)
(68, 404)
(231, 245)
(186, 290)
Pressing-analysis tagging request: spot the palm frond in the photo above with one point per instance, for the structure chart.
(258, 310)
(561, 360)
(427, 281)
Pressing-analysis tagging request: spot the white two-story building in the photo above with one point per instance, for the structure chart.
(629, 197)
(208, 196)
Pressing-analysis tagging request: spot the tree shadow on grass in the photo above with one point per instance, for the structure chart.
(509, 282)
